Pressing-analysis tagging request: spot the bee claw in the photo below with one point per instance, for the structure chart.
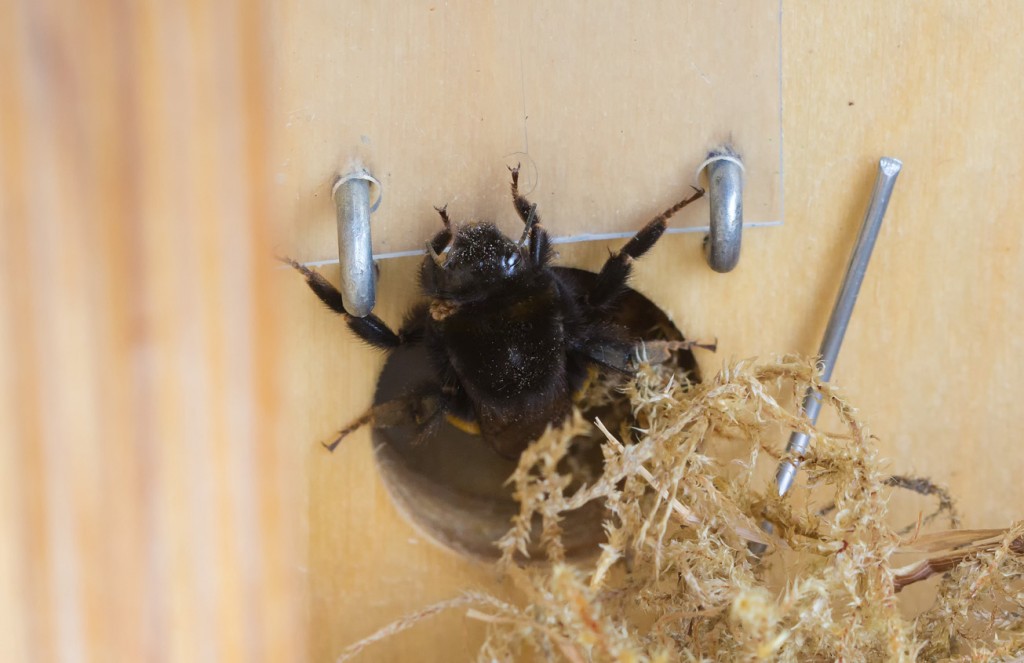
(443, 212)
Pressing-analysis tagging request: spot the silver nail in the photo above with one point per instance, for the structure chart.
(888, 169)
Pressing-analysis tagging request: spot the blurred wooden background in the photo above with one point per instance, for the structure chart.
(162, 491)
(149, 507)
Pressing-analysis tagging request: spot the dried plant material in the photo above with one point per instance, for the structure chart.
(950, 539)
(979, 613)
(921, 486)
(675, 578)
(411, 620)
(955, 553)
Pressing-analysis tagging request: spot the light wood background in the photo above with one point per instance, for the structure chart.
(436, 99)
(148, 504)
(164, 389)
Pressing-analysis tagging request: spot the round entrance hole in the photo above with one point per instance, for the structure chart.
(451, 485)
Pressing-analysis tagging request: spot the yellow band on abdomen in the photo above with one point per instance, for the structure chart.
(469, 427)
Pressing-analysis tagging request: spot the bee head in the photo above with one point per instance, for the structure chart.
(473, 262)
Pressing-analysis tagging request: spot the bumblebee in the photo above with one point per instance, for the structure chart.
(512, 339)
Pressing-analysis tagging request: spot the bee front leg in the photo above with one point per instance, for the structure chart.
(534, 234)
(443, 213)
(527, 211)
(371, 329)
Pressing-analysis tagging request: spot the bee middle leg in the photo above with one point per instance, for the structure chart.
(612, 280)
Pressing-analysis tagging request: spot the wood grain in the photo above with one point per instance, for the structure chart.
(931, 357)
(148, 507)
(436, 98)
(163, 494)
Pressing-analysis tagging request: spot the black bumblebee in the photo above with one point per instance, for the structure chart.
(512, 339)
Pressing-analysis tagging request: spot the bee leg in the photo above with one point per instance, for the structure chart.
(533, 232)
(371, 329)
(443, 213)
(525, 209)
(428, 427)
(356, 424)
(443, 238)
(423, 410)
(612, 279)
(660, 352)
(540, 245)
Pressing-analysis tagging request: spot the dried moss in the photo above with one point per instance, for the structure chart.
(676, 579)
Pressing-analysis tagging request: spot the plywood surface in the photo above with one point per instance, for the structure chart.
(164, 387)
(147, 505)
(436, 98)
(932, 357)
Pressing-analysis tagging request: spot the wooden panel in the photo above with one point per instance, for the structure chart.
(931, 356)
(436, 98)
(147, 506)
(161, 391)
